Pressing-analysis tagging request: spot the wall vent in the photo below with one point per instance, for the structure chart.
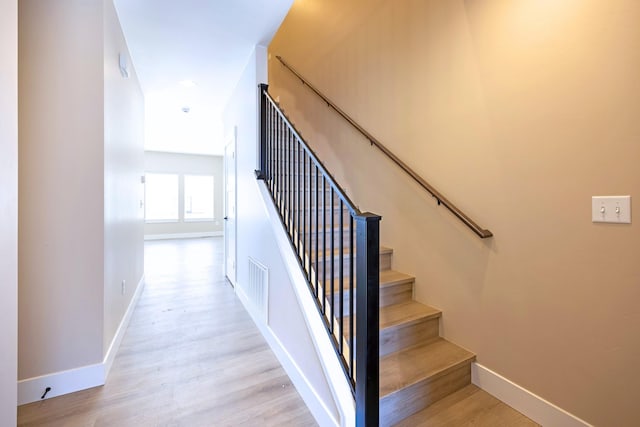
(258, 289)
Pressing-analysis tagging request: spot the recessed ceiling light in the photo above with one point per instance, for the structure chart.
(186, 109)
(187, 83)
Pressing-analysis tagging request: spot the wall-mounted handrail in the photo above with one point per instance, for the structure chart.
(442, 200)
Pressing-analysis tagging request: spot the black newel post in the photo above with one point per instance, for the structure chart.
(367, 319)
(262, 161)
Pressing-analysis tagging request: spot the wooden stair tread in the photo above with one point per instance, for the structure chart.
(403, 368)
(392, 277)
(469, 406)
(403, 313)
(406, 312)
(387, 278)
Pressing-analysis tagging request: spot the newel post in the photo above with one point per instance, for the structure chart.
(262, 151)
(367, 319)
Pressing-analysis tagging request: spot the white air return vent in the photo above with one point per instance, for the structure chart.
(258, 289)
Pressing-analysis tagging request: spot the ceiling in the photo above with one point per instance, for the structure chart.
(207, 42)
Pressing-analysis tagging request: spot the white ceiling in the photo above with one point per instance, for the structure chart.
(205, 41)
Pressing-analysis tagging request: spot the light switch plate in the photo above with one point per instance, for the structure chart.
(613, 209)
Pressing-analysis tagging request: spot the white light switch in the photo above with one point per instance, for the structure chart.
(615, 209)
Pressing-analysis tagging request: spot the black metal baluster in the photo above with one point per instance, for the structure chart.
(308, 192)
(271, 164)
(286, 178)
(271, 151)
(294, 230)
(274, 151)
(288, 171)
(277, 154)
(275, 160)
(341, 278)
(280, 164)
(266, 130)
(283, 169)
(290, 157)
(351, 291)
(317, 230)
(306, 213)
(324, 245)
(332, 214)
(298, 178)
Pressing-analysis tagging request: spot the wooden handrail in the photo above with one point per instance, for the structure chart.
(481, 232)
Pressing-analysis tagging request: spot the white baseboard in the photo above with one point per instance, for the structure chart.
(533, 406)
(122, 328)
(316, 405)
(64, 382)
(183, 235)
(31, 390)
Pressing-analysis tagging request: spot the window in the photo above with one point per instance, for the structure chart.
(198, 197)
(161, 197)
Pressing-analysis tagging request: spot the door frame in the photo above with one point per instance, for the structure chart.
(231, 141)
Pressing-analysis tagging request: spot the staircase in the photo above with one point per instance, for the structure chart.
(423, 378)
(409, 337)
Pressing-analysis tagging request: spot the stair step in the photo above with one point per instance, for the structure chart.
(395, 287)
(469, 406)
(340, 236)
(406, 313)
(385, 261)
(414, 378)
(406, 325)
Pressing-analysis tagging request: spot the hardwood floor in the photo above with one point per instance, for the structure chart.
(468, 407)
(190, 357)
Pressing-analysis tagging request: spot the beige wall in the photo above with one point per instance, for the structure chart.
(8, 209)
(162, 162)
(519, 112)
(81, 159)
(61, 241)
(123, 169)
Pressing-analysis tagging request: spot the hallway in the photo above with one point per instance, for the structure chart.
(191, 356)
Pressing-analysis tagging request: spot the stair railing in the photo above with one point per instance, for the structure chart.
(481, 232)
(336, 245)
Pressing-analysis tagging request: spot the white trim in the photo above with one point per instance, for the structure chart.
(533, 406)
(187, 153)
(333, 372)
(30, 390)
(122, 328)
(183, 235)
(322, 414)
(230, 217)
(72, 380)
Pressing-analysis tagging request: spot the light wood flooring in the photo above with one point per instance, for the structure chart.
(190, 357)
(468, 407)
